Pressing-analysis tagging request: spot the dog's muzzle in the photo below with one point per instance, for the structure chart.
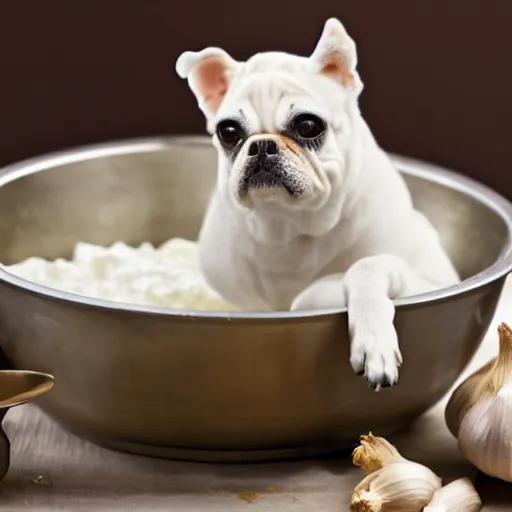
(263, 167)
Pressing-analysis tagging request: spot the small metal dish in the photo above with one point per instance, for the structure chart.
(18, 387)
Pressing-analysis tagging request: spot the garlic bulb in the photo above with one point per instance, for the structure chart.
(398, 486)
(459, 496)
(374, 453)
(392, 482)
(479, 413)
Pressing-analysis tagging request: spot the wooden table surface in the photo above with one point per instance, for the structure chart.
(53, 470)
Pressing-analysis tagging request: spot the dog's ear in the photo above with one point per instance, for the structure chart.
(209, 73)
(335, 55)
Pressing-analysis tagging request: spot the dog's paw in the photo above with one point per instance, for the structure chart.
(376, 355)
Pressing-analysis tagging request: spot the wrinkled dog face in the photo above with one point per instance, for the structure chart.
(281, 123)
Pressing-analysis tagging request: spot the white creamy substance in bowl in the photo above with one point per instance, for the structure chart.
(165, 276)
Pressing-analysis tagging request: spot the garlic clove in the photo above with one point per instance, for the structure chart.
(479, 413)
(374, 453)
(398, 486)
(458, 496)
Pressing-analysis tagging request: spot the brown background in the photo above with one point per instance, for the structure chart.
(437, 73)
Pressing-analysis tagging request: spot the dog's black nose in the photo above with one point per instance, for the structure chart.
(263, 148)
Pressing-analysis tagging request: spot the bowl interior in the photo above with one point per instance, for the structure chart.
(159, 191)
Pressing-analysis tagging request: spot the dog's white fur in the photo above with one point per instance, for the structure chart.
(352, 239)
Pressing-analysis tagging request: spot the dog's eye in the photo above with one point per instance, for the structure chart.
(229, 133)
(308, 126)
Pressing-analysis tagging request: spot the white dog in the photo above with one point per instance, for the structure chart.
(308, 211)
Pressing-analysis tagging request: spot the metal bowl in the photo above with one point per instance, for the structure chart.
(217, 386)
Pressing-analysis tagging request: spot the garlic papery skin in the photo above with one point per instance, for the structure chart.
(375, 453)
(458, 496)
(396, 487)
(479, 413)
(485, 434)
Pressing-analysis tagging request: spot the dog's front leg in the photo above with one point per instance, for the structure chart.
(367, 289)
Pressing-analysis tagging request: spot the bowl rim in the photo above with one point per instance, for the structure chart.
(407, 165)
